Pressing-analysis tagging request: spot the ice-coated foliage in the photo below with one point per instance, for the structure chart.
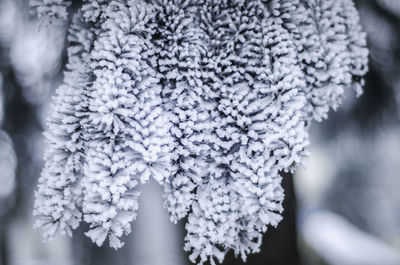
(182, 46)
(94, 10)
(331, 49)
(125, 129)
(58, 197)
(49, 10)
(257, 131)
(211, 98)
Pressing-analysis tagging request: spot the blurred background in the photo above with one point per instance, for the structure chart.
(342, 208)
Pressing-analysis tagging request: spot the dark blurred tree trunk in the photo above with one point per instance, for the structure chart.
(3, 245)
(279, 245)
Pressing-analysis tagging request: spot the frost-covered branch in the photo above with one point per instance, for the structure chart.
(212, 98)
